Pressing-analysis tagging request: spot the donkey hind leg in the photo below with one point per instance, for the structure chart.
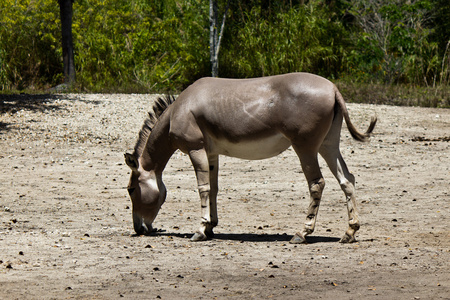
(316, 184)
(206, 171)
(337, 165)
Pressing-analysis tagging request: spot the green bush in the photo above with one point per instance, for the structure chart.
(157, 46)
(119, 45)
(30, 51)
(395, 43)
(5, 84)
(131, 45)
(301, 39)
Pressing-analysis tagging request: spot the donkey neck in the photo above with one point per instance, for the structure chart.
(158, 149)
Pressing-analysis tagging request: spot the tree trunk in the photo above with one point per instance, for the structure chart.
(66, 13)
(212, 37)
(215, 37)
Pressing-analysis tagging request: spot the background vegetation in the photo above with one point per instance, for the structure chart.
(378, 51)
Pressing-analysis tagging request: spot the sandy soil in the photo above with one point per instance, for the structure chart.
(66, 228)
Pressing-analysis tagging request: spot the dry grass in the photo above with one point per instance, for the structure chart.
(400, 95)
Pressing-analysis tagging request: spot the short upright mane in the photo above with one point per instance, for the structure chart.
(160, 105)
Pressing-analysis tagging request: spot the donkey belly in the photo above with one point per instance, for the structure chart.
(252, 149)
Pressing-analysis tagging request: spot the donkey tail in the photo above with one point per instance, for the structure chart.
(362, 137)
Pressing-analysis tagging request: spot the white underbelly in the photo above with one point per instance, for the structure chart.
(252, 149)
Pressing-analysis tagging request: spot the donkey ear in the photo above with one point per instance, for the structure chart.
(131, 161)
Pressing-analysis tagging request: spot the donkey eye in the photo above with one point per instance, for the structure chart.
(130, 191)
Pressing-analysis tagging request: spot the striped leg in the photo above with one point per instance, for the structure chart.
(206, 171)
(346, 180)
(316, 185)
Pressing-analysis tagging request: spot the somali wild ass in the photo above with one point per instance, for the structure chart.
(249, 119)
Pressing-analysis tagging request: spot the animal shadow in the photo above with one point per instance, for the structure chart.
(248, 237)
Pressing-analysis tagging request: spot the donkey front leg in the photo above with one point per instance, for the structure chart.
(206, 170)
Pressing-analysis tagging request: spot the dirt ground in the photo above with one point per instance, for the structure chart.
(66, 228)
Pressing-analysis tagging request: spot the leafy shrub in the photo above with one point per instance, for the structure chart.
(4, 80)
(301, 39)
(132, 45)
(395, 45)
(151, 46)
(29, 44)
(119, 45)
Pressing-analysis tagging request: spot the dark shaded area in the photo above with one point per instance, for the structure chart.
(248, 237)
(16, 102)
(11, 104)
(425, 139)
(3, 126)
(251, 237)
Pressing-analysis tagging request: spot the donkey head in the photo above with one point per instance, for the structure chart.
(147, 193)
